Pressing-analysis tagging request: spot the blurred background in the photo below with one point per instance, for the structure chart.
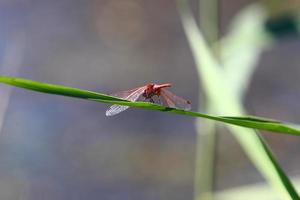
(54, 147)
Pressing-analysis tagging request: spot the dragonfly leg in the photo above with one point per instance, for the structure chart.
(159, 100)
(151, 100)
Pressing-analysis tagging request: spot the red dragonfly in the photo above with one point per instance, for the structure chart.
(150, 92)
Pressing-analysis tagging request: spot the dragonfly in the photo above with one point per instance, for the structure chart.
(154, 93)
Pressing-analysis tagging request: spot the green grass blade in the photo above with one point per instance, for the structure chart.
(206, 137)
(248, 121)
(226, 100)
(53, 89)
(283, 177)
(241, 48)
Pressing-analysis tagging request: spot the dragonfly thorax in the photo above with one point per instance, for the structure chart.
(154, 89)
(151, 91)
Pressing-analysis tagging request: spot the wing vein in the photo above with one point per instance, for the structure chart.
(133, 96)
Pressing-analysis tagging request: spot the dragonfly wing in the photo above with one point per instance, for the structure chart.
(133, 96)
(124, 94)
(115, 109)
(174, 101)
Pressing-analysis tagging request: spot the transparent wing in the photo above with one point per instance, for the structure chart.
(124, 94)
(174, 101)
(115, 109)
(130, 95)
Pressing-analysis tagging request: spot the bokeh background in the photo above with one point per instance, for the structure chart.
(54, 147)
